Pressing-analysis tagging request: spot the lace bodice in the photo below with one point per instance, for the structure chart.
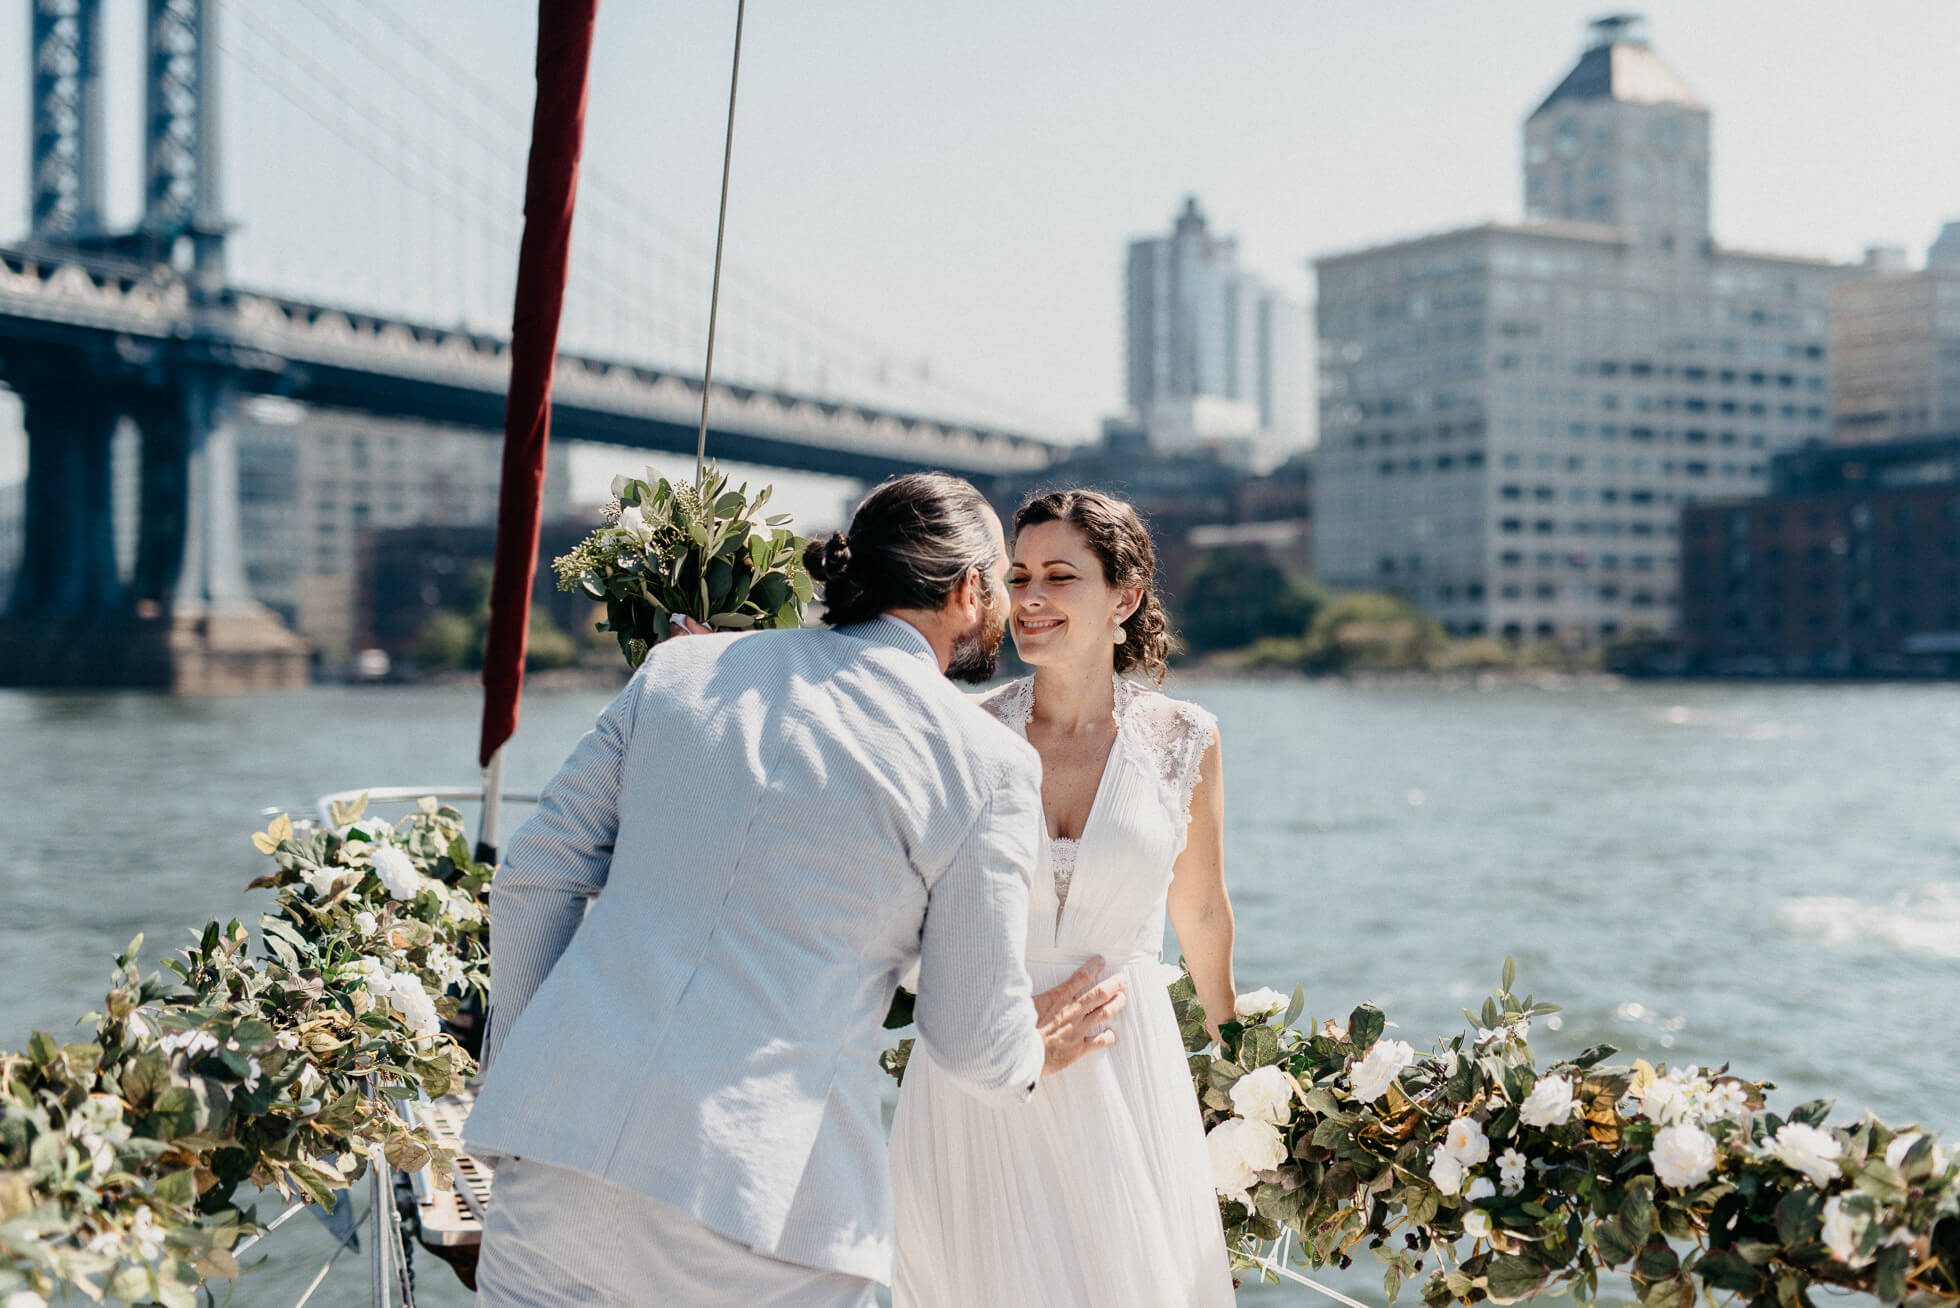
(1105, 892)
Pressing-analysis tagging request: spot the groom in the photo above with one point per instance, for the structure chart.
(699, 931)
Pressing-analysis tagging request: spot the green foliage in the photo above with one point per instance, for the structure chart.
(453, 639)
(281, 1065)
(1233, 598)
(1517, 1180)
(449, 640)
(704, 552)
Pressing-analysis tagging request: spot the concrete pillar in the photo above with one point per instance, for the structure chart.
(68, 555)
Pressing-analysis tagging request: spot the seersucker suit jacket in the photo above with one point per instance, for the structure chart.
(697, 934)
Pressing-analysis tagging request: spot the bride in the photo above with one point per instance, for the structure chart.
(1098, 1191)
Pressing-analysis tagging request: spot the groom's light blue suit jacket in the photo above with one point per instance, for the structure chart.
(696, 936)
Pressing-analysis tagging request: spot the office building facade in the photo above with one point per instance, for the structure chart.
(1895, 347)
(1513, 415)
(1850, 565)
(1214, 355)
(312, 483)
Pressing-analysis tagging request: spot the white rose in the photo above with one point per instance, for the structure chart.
(1480, 1188)
(1510, 1170)
(1384, 1061)
(1895, 1153)
(366, 923)
(1264, 1095)
(1476, 1224)
(1804, 1148)
(1446, 1172)
(1466, 1142)
(1665, 1098)
(405, 992)
(1683, 1155)
(1240, 1149)
(631, 519)
(1263, 1002)
(1842, 1231)
(397, 872)
(1550, 1103)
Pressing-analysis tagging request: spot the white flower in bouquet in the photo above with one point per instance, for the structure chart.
(1843, 1229)
(366, 923)
(287, 1040)
(1265, 1095)
(1723, 1101)
(1385, 1061)
(1549, 1104)
(146, 1235)
(1902, 1144)
(25, 1299)
(322, 880)
(1445, 1172)
(397, 872)
(1665, 1098)
(411, 1000)
(449, 970)
(1240, 1148)
(464, 912)
(1517, 1030)
(1510, 1170)
(1683, 1155)
(1479, 1188)
(632, 520)
(103, 1242)
(1260, 1003)
(1476, 1224)
(1466, 1142)
(1803, 1148)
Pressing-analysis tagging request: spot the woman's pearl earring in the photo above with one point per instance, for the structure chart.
(1122, 634)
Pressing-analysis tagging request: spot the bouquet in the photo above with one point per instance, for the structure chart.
(704, 552)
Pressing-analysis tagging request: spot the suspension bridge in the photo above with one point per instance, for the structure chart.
(151, 324)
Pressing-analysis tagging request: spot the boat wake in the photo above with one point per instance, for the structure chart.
(1922, 921)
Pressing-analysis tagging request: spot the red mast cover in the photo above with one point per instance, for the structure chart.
(550, 187)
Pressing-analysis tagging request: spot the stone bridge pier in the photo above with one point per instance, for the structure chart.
(184, 620)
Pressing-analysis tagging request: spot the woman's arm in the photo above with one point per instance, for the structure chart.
(1200, 909)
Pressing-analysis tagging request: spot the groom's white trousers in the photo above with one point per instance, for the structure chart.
(557, 1238)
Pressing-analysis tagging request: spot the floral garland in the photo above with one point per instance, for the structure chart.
(1678, 1176)
(280, 1066)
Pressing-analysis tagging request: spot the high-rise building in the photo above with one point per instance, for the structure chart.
(1215, 355)
(1513, 415)
(313, 482)
(1895, 346)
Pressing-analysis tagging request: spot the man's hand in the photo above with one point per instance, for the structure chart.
(1074, 1017)
(685, 626)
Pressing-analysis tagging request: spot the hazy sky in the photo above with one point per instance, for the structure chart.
(956, 182)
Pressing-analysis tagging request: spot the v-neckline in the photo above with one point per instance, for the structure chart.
(1108, 765)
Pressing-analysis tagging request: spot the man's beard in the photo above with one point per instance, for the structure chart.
(976, 652)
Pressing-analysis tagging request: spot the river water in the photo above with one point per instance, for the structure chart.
(1763, 874)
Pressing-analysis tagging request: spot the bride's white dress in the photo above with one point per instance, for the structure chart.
(1098, 1191)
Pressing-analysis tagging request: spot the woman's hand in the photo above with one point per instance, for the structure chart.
(685, 626)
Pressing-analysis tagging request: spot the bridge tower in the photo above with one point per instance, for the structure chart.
(65, 168)
(186, 619)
